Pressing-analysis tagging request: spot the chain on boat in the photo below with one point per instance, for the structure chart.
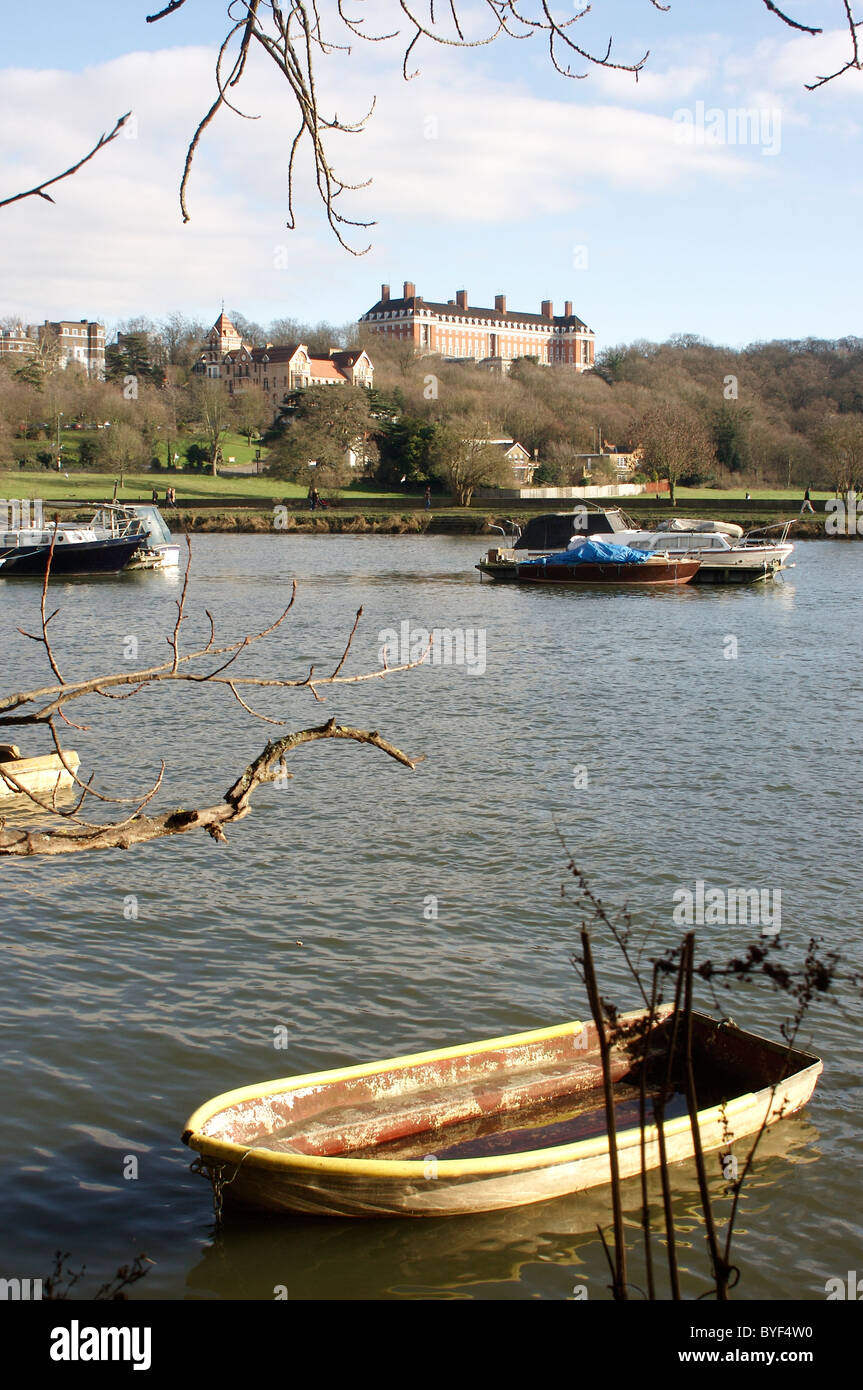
(214, 1173)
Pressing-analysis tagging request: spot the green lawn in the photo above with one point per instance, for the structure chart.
(79, 486)
(738, 494)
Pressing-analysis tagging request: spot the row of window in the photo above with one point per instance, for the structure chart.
(474, 323)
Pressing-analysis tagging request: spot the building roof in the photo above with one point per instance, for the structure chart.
(223, 326)
(325, 369)
(348, 357)
(509, 316)
(285, 353)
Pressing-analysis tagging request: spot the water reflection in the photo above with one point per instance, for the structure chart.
(250, 1255)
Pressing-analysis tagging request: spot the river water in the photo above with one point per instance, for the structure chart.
(364, 910)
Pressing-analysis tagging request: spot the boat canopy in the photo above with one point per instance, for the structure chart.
(554, 530)
(591, 551)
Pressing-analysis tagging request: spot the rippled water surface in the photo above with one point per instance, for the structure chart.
(737, 770)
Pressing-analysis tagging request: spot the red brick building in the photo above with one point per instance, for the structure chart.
(494, 336)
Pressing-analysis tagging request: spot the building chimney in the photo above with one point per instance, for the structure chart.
(567, 309)
(410, 289)
(500, 304)
(385, 294)
(461, 298)
(547, 309)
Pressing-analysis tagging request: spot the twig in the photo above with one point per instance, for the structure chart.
(39, 190)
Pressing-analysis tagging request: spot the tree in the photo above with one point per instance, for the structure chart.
(842, 442)
(464, 460)
(181, 338)
(405, 447)
(730, 436)
(320, 425)
(674, 441)
(132, 358)
(252, 410)
(210, 406)
(121, 448)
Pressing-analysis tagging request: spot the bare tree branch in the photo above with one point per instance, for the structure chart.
(39, 190)
(792, 23)
(235, 804)
(136, 828)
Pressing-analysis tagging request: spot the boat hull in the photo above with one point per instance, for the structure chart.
(229, 1131)
(43, 775)
(81, 557)
(650, 572)
(738, 571)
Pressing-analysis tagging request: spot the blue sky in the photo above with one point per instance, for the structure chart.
(645, 204)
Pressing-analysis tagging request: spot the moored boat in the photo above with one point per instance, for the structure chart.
(549, 533)
(77, 550)
(593, 562)
(728, 555)
(487, 1125)
(156, 547)
(43, 775)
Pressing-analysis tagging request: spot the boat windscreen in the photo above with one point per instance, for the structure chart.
(151, 520)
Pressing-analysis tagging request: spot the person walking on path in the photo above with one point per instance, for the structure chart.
(428, 498)
(807, 502)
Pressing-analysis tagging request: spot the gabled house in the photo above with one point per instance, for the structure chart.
(278, 370)
(517, 456)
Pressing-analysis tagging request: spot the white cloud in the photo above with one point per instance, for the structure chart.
(114, 243)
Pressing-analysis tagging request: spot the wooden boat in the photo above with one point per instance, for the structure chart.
(43, 775)
(655, 569)
(483, 1126)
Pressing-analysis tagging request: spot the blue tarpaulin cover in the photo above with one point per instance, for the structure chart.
(593, 552)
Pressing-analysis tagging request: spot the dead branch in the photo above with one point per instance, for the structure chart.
(136, 828)
(235, 804)
(854, 61)
(39, 190)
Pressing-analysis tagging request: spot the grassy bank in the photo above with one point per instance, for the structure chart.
(247, 504)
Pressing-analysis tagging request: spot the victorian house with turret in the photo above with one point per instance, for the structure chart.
(278, 370)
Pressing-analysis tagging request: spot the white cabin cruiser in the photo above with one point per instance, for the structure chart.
(728, 555)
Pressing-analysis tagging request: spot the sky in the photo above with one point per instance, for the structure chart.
(651, 205)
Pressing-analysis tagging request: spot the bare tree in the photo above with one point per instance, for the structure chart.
(674, 440)
(205, 665)
(211, 404)
(252, 410)
(462, 456)
(842, 443)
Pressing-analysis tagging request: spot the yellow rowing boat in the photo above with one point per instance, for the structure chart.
(485, 1125)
